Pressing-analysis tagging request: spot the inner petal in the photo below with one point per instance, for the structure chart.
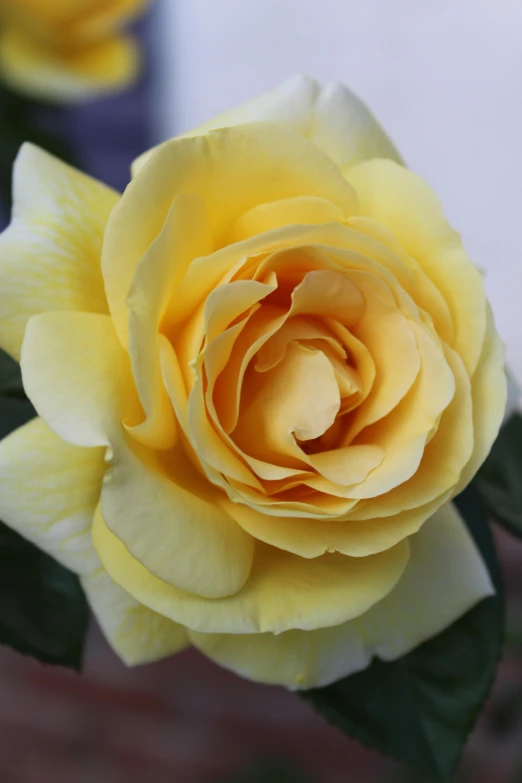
(299, 398)
(303, 210)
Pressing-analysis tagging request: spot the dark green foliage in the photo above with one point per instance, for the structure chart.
(421, 708)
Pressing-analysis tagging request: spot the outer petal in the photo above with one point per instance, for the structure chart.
(330, 115)
(78, 377)
(444, 578)
(179, 532)
(295, 659)
(66, 74)
(50, 253)
(49, 491)
(232, 170)
(283, 591)
(402, 202)
(183, 237)
(137, 634)
(489, 395)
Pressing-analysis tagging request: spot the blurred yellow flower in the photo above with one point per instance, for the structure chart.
(263, 373)
(67, 50)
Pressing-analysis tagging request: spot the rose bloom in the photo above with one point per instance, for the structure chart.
(65, 50)
(262, 375)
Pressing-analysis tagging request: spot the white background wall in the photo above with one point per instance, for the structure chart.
(443, 76)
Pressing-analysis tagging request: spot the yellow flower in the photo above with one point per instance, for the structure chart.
(263, 372)
(65, 50)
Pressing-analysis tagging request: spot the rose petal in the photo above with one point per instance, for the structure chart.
(50, 253)
(444, 578)
(402, 202)
(78, 376)
(283, 591)
(232, 170)
(49, 491)
(330, 115)
(184, 236)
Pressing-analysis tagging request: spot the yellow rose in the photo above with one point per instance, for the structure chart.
(67, 49)
(262, 374)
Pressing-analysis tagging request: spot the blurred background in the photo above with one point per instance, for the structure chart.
(445, 79)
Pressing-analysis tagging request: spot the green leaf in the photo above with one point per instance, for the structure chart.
(421, 708)
(15, 408)
(499, 481)
(10, 377)
(14, 413)
(43, 611)
(24, 119)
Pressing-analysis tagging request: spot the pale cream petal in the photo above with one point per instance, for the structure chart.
(295, 659)
(282, 592)
(78, 377)
(445, 577)
(49, 491)
(330, 115)
(50, 253)
(137, 634)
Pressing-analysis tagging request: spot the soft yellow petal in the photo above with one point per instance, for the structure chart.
(443, 460)
(49, 491)
(395, 370)
(376, 242)
(283, 591)
(137, 634)
(295, 659)
(183, 237)
(331, 530)
(232, 170)
(402, 202)
(66, 74)
(298, 399)
(304, 210)
(78, 376)
(489, 395)
(348, 465)
(330, 115)
(50, 253)
(404, 432)
(179, 532)
(445, 577)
